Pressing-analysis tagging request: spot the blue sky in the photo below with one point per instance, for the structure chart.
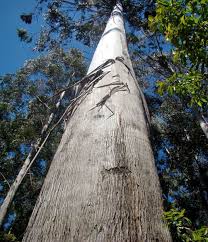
(13, 52)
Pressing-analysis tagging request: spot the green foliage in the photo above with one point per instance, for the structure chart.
(190, 87)
(82, 20)
(7, 237)
(27, 18)
(200, 234)
(185, 25)
(23, 35)
(182, 227)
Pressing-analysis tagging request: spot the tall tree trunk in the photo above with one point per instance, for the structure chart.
(102, 184)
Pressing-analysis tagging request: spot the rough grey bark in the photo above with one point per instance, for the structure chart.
(102, 184)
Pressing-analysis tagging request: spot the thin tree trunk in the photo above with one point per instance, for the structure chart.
(102, 184)
(35, 149)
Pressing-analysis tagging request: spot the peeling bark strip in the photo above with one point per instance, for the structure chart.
(102, 184)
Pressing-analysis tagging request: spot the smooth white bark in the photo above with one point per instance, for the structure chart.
(102, 184)
(112, 43)
(204, 126)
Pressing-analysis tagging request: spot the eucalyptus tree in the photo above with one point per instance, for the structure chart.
(84, 21)
(59, 23)
(102, 184)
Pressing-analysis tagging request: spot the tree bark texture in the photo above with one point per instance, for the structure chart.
(102, 184)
